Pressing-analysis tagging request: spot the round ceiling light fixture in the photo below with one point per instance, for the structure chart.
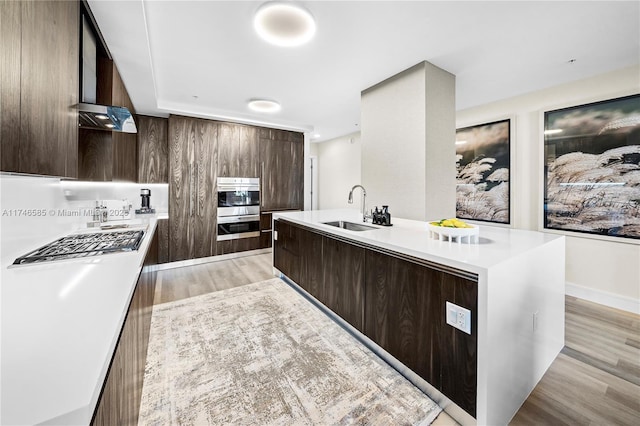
(284, 24)
(264, 105)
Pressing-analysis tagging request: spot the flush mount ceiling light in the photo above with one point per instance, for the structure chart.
(284, 24)
(264, 105)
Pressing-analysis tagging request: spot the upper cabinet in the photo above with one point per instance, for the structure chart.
(238, 154)
(104, 155)
(282, 170)
(153, 151)
(39, 82)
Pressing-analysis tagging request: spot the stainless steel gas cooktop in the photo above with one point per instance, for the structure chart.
(84, 245)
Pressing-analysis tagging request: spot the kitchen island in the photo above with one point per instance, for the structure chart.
(390, 286)
(67, 324)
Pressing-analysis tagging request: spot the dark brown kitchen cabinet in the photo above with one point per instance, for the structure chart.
(192, 191)
(104, 155)
(238, 154)
(119, 402)
(39, 82)
(282, 170)
(163, 240)
(395, 300)
(403, 312)
(343, 279)
(153, 152)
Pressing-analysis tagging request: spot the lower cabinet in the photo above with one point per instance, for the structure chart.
(343, 265)
(396, 301)
(119, 403)
(233, 246)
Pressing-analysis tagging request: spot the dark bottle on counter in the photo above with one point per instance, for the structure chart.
(381, 217)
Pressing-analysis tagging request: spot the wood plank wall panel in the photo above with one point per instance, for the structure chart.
(181, 139)
(153, 152)
(206, 196)
(10, 60)
(49, 88)
(343, 267)
(93, 147)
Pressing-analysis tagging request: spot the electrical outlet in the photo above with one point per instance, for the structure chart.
(458, 317)
(275, 235)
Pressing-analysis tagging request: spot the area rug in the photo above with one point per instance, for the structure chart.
(261, 354)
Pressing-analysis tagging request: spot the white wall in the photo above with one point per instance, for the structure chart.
(602, 271)
(338, 170)
(408, 159)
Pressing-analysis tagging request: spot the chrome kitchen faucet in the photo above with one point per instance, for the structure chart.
(364, 199)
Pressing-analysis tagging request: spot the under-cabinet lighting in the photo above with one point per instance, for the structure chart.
(460, 142)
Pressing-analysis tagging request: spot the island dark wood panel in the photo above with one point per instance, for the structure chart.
(163, 240)
(286, 250)
(396, 300)
(153, 152)
(343, 279)
(403, 312)
(119, 402)
(459, 350)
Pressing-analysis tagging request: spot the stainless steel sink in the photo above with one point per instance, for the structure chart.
(350, 226)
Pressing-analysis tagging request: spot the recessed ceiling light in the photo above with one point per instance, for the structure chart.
(284, 24)
(460, 142)
(264, 105)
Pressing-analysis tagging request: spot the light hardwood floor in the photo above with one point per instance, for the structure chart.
(594, 381)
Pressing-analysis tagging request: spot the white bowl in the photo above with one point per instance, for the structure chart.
(444, 233)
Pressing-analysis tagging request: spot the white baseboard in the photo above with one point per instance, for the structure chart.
(624, 303)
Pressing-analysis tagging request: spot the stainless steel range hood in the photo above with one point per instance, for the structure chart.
(109, 118)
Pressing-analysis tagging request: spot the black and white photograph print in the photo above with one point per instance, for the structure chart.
(483, 169)
(592, 168)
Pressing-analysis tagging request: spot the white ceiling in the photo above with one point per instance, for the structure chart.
(168, 52)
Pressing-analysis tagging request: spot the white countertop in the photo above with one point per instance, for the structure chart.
(60, 325)
(411, 237)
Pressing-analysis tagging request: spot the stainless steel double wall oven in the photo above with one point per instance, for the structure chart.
(238, 208)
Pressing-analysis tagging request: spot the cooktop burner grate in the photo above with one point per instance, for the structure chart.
(84, 245)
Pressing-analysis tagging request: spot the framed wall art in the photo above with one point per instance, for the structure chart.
(592, 168)
(483, 161)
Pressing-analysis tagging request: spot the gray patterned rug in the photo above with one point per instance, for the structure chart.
(261, 354)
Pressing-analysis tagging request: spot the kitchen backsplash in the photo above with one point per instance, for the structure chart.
(36, 209)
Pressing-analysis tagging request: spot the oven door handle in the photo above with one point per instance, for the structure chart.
(238, 188)
(239, 219)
